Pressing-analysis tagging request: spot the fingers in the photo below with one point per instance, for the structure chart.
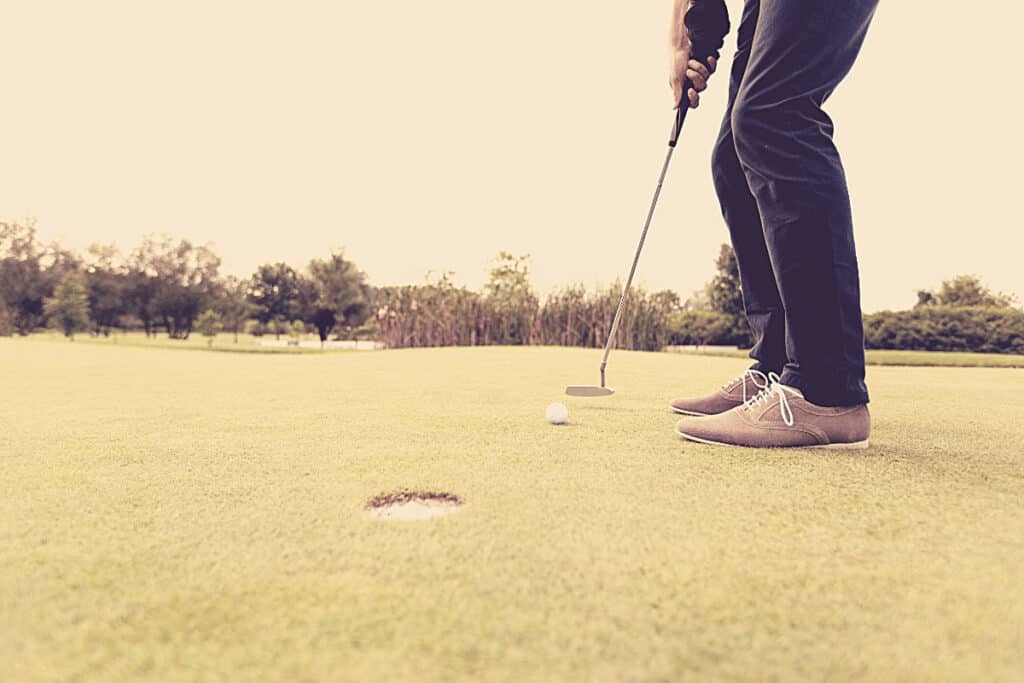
(698, 75)
(699, 80)
(703, 71)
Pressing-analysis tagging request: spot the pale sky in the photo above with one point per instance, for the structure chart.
(428, 136)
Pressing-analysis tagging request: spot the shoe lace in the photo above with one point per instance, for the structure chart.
(760, 381)
(774, 388)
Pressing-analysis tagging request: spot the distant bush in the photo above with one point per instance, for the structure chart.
(256, 328)
(434, 314)
(706, 327)
(367, 331)
(209, 323)
(441, 314)
(279, 326)
(983, 329)
(574, 317)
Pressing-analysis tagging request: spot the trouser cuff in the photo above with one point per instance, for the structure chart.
(765, 368)
(838, 391)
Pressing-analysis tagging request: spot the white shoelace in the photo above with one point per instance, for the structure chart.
(760, 381)
(774, 388)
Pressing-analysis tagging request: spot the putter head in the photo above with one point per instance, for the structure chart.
(588, 390)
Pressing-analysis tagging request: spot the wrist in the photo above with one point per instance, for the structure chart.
(679, 36)
(680, 41)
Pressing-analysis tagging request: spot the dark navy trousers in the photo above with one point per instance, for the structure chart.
(783, 194)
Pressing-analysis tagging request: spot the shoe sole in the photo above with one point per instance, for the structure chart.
(691, 413)
(853, 446)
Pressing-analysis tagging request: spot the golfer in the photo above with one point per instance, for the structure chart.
(783, 195)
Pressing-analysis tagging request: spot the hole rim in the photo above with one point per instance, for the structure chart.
(403, 496)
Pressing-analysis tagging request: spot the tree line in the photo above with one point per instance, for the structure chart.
(961, 315)
(175, 287)
(167, 285)
(508, 311)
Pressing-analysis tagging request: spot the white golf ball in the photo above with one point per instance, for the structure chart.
(557, 414)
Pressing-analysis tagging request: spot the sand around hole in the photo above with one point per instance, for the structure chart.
(413, 505)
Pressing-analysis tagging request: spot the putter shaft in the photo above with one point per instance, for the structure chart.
(639, 248)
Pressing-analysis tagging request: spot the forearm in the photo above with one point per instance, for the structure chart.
(679, 39)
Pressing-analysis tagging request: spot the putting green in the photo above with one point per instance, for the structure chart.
(200, 516)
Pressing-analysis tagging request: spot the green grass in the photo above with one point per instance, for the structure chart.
(248, 344)
(195, 516)
(223, 342)
(898, 358)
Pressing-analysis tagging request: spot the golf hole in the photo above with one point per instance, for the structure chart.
(413, 505)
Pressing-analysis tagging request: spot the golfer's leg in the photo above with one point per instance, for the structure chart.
(801, 50)
(760, 295)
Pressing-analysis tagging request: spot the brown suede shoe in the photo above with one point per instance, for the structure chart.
(730, 395)
(780, 417)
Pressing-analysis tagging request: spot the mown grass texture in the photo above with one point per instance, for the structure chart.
(197, 516)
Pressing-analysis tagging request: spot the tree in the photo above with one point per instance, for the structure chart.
(57, 262)
(297, 329)
(324, 320)
(184, 280)
(724, 292)
(722, 295)
(307, 297)
(139, 291)
(340, 294)
(234, 306)
(274, 293)
(964, 290)
(6, 320)
(23, 285)
(68, 308)
(209, 324)
(29, 273)
(701, 327)
(511, 298)
(107, 286)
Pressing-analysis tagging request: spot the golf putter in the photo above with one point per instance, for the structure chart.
(707, 23)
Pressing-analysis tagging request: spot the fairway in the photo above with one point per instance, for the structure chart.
(200, 516)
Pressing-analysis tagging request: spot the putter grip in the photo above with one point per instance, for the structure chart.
(707, 23)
